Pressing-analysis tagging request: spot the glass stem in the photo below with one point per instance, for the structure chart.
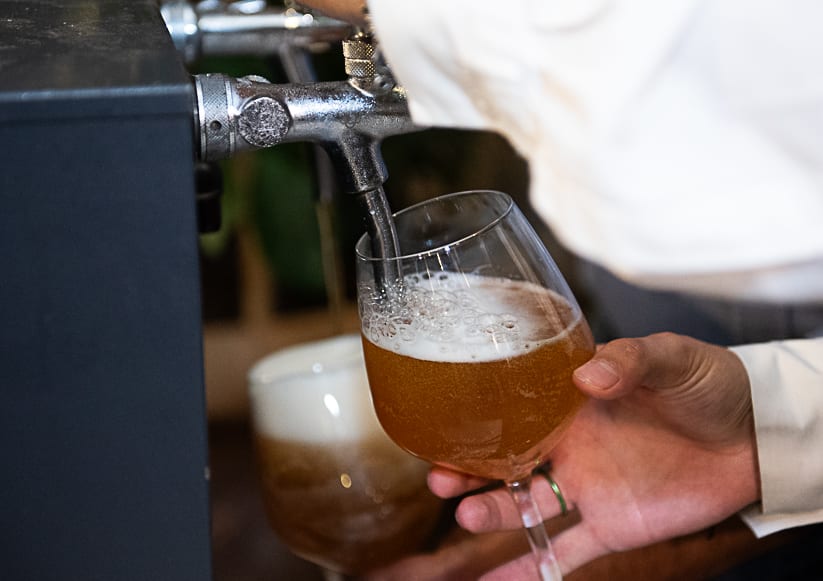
(535, 531)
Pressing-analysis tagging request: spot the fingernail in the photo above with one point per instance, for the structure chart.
(598, 373)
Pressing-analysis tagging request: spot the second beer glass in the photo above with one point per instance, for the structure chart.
(470, 338)
(337, 491)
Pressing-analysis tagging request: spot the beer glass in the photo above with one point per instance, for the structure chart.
(337, 491)
(470, 337)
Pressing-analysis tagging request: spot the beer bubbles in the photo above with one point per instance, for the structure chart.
(464, 316)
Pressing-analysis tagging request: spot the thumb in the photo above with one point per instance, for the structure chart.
(701, 389)
(621, 366)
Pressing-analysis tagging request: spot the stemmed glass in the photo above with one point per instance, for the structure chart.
(470, 338)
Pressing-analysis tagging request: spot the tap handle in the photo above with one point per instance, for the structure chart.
(365, 66)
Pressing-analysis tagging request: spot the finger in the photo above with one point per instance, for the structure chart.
(623, 365)
(466, 557)
(573, 548)
(576, 546)
(447, 483)
(495, 510)
(489, 511)
(521, 568)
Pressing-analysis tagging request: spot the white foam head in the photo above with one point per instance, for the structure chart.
(315, 392)
(460, 317)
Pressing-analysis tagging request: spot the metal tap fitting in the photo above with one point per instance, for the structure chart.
(234, 115)
(365, 66)
(245, 27)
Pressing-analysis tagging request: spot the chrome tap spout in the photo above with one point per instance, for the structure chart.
(248, 113)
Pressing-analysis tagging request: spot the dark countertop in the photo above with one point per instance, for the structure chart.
(88, 58)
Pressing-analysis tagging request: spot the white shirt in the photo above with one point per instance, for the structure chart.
(679, 143)
(661, 146)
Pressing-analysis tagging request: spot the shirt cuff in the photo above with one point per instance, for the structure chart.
(787, 398)
(766, 524)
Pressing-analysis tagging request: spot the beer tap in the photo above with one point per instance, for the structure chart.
(349, 119)
(246, 28)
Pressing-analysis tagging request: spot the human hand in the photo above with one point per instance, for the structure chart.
(664, 447)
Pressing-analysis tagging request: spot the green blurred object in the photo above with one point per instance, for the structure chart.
(282, 209)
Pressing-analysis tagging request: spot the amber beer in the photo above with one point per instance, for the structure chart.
(336, 490)
(350, 507)
(487, 399)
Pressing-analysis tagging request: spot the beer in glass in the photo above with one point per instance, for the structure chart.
(470, 336)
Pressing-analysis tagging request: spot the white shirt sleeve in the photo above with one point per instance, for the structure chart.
(787, 396)
(679, 143)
